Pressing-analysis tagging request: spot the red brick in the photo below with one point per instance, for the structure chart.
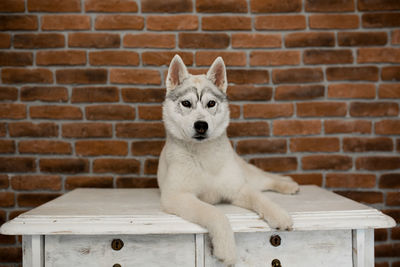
(110, 112)
(237, 129)
(396, 236)
(247, 76)
(5, 40)
(329, 6)
(380, 20)
(81, 76)
(326, 162)
(150, 166)
(18, 22)
(226, 23)
(12, 111)
(378, 55)
(274, 58)
(303, 39)
(249, 92)
(389, 91)
(221, 6)
(372, 5)
(389, 180)
(352, 73)
(142, 148)
(26, 75)
(270, 110)
(321, 109)
(327, 56)
(156, 58)
(8, 93)
(396, 37)
(139, 130)
(299, 75)
(35, 199)
(44, 147)
(369, 197)
(255, 40)
(378, 163)
(206, 58)
(65, 22)
(54, 6)
(3, 129)
(94, 94)
(387, 127)
(39, 40)
(7, 146)
(258, 146)
(149, 40)
(4, 183)
(46, 94)
(282, 22)
(73, 182)
(298, 92)
(362, 38)
(119, 22)
(115, 58)
(72, 57)
(349, 90)
(19, 164)
(394, 213)
(16, 213)
(393, 199)
(374, 109)
(172, 6)
(363, 144)
(347, 126)
(314, 144)
(307, 178)
(29, 129)
(99, 148)
(120, 166)
(7, 239)
(274, 6)
(135, 76)
(94, 40)
(56, 112)
(391, 73)
(110, 6)
(10, 254)
(12, 6)
(350, 180)
(16, 58)
(203, 40)
(64, 165)
(36, 182)
(277, 164)
(86, 130)
(172, 23)
(152, 95)
(150, 112)
(336, 21)
(296, 127)
(136, 182)
(234, 111)
(7, 199)
(380, 235)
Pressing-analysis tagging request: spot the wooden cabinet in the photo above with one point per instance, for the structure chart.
(126, 227)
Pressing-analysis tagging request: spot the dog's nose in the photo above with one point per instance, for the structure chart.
(201, 127)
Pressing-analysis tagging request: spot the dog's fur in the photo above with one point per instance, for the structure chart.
(197, 170)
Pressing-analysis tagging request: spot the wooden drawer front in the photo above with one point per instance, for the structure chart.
(299, 249)
(138, 250)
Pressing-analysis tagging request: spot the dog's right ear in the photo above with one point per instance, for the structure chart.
(177, 72)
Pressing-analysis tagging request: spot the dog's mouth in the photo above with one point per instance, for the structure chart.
(199, 137)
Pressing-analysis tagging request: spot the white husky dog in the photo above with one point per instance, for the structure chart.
(198, 166)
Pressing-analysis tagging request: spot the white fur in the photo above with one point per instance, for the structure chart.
(193, 175)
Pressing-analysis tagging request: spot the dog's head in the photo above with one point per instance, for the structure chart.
(196, 107)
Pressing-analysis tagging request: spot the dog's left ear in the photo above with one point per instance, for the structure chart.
(217, 74)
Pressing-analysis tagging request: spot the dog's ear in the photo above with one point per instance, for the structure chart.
(217, 74)
(177, 72)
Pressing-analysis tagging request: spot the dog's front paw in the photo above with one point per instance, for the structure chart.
(226, 253)
(288, 186)
(280, 220)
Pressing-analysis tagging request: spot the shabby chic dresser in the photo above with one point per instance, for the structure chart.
(126, 227)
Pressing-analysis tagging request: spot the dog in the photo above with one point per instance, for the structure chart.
(198, 166)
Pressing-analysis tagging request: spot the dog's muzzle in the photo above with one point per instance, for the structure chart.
(201, 128)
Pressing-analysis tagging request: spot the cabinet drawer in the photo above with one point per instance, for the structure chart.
(137, 250)
(300, 249)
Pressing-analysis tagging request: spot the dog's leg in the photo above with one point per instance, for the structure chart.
(276, 217)
(192, 209)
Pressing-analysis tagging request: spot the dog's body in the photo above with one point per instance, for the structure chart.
(198, 166)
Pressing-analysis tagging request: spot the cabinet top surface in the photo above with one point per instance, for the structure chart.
(138, 211)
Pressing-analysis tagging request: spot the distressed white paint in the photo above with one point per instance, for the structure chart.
(138, 250)
(199, 250)
(363, 247)
(33, 250)
(27, 250)
(300, 249)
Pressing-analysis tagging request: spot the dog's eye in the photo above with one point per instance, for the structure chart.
(186, 104)
(211, 103)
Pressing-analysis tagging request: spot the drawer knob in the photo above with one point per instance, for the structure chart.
(276, 263)
(117, 244)
(275, 240)
(117, 265)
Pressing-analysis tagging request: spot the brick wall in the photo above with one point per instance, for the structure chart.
(314, 89)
